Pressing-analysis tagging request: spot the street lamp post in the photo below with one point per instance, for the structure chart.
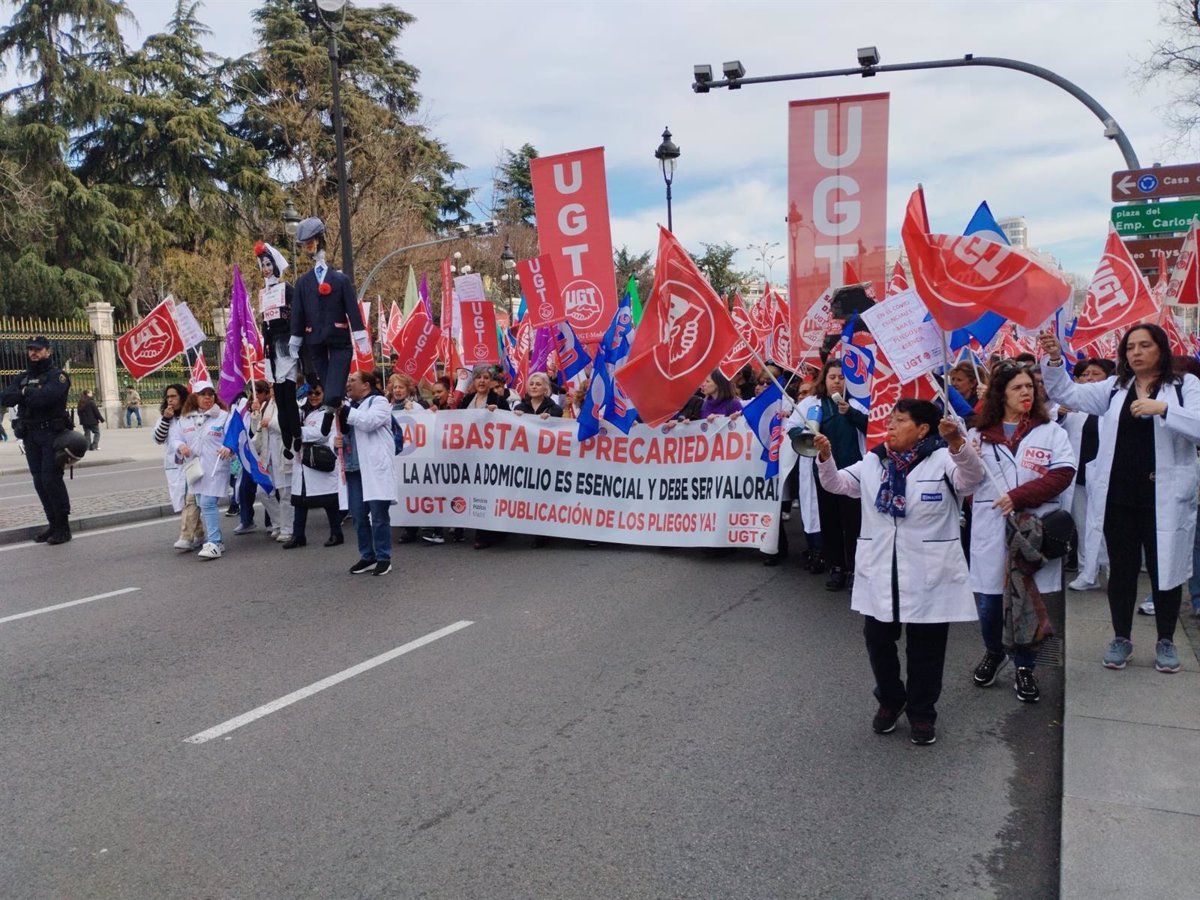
(766, 258)
(508, 262)
(291, 222)
(666, 154)
(327, 11)
(868, 66)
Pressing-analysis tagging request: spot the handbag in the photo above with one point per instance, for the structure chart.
(193, 471)
(318, 457)
(1058, 530)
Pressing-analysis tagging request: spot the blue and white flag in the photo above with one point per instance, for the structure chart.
(858, 365)
(237, 439)
(572, 357)
(764, 415)
(605, 398)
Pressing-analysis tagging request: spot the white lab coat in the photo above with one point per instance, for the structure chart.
(806, 477)
(926, 544)
(1175, 473)
(1044, 448)
(372, 436)
(176, 482)
(309, 483)
(204, 435)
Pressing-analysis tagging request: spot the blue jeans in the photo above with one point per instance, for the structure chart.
(372, 521)
(130, 412)
(211, 517)
(1194, 581)
(991, 624)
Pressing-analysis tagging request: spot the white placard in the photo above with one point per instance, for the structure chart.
(189, 328)
(469, 288)
(271, 300)
(911, 342)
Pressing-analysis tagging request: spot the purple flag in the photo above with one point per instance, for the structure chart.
(543, 343)
(423, 292)
(243, 347)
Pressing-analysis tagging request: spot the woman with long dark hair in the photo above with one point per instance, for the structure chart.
(1145, 474)
(1031, 465)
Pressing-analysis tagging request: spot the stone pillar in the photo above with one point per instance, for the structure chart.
(108, 394)
(220, 324)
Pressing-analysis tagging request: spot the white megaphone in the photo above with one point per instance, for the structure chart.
(805, 443)
(836, 398)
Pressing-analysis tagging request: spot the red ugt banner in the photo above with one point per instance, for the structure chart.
(479, 333)
(570, 196)
(417, 344)
(837, 194)
(151, 343)
(543, 297)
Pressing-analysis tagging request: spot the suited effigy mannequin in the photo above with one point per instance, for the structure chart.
(326, 320)
(275, 307)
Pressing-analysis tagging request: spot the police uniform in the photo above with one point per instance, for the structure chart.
(41, 397)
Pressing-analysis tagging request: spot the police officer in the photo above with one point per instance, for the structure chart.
(41, 397)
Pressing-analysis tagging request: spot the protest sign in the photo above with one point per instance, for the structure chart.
(190, 331)
(699, 485)
(911, 342)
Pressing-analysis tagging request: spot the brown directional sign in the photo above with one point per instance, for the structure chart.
(1160, 182)
(1145, 250)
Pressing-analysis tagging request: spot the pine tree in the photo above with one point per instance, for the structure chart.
(513, 187)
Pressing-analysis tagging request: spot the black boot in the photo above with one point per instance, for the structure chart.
(837, 580)
(60, 533)
(42, 536)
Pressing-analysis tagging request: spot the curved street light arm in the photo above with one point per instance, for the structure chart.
(362, 292)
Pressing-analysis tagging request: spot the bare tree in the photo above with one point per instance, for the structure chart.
(1175, 61)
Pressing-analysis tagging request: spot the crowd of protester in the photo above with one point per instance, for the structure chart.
(941, 523)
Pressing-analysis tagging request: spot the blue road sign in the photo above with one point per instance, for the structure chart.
(1147, 183)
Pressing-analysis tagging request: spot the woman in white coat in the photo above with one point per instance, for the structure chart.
(191, 529)
(312, 488)
(369, 450)
(1145, 476)
(1032, 467)
(266, 426)
(198, 445)
(911, 573)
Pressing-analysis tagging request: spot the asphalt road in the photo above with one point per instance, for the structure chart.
(613, 723)
(88, 481)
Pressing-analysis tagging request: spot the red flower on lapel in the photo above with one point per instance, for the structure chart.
(324, 290)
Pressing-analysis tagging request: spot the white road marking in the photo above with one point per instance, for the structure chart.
(46, 609)
(317, 686)
(76, 535)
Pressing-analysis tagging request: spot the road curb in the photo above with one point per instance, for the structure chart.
(84, 463)
(92, 523)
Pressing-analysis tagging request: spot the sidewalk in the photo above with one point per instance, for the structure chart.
(1131, 754)
(21, 523)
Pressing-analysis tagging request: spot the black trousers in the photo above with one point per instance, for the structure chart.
(47, 477)
(841, 522)
(332, 513)
(925, 649)
(332, 365)
(1129, 531)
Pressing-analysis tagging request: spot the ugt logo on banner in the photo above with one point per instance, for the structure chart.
(151, 343)
(571, 198)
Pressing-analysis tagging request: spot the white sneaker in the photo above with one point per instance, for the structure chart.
(183, 544)
(1082, 584)
(211, 551)
(245, 529)
(283, 537)
(1147, 607)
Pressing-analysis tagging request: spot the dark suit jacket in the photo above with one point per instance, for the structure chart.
(326, 320)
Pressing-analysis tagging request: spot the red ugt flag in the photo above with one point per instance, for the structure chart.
(199, 371)
(151, 343)
(683, 336)
(962, 277)
(417, 344)
(1117, 297)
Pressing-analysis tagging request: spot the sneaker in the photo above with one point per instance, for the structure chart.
(885, 720)
(989, 667)
(231, 511)
(382, 567)
(363, 565)
(785, 517)
(1147, 607)
(433, 537)
(283, 537)
(1165, 657)
(183, 544)
(245, 529)
(923, 733)
(1026, 686)
(211, 551)
(1082, 584)
(1118, 653)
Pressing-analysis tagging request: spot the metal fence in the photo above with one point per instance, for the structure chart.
(72, 343)
(175, 372)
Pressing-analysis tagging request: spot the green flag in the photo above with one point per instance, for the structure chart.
(635, 302)
(411, 297)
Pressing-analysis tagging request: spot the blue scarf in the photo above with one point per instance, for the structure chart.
(894, 485)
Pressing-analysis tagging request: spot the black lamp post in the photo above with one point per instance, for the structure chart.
(291, 222)
(327, 12)
(666, 154)
(508, 261)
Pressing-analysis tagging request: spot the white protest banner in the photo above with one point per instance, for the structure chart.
(189, 328)
(911, 342)
(699, 485)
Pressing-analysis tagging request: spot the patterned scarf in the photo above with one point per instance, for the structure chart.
(896, 465)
